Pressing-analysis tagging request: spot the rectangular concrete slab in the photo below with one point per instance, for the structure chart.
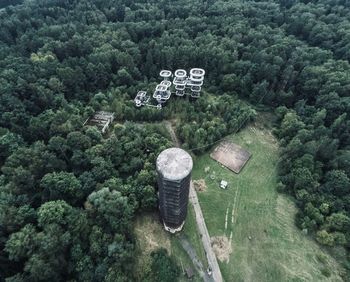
(231, 155)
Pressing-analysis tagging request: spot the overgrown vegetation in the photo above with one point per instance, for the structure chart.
(163, 267)
(62, 60)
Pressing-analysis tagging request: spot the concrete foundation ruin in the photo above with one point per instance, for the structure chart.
(101, 120)
(231, 155)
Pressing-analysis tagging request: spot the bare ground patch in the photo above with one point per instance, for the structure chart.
(200, 185)
(231, 155)
(222, 248)
(150, 234)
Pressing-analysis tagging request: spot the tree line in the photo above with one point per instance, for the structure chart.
(68, 195)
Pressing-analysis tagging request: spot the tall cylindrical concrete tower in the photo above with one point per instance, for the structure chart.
(174, 167)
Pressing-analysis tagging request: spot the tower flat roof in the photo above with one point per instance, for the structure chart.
(174, 164)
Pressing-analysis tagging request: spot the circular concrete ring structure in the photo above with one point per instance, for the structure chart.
(166, 83)
(180, 87)
(180, 92)
(161, 87)
(196, 78)
(195, 94)
(165, 73)
(178, 81)
(180, 73)
(195, 83)
(197, 72)
(195, 88)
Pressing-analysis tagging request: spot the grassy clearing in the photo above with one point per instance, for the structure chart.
(150, 235)
(266, 245)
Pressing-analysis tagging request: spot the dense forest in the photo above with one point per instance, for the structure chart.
(68, 194)
(5, 3)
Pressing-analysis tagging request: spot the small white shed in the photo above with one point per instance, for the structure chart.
(223, 184)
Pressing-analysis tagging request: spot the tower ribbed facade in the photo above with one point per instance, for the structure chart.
(174, 167)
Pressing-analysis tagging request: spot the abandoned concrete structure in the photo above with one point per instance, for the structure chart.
(183, 85)
(174, 167)
(231, 155)
(101, 120)
(141, 98)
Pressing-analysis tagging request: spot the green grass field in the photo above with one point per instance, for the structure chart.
(266, 245)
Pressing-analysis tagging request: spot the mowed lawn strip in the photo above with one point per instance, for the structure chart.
(266, 244)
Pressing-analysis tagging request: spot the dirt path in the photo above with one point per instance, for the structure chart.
(193, 255)
(203, 231)
(173, 136)
(202, 227)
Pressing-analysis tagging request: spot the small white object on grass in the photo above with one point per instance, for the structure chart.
(223, 184)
